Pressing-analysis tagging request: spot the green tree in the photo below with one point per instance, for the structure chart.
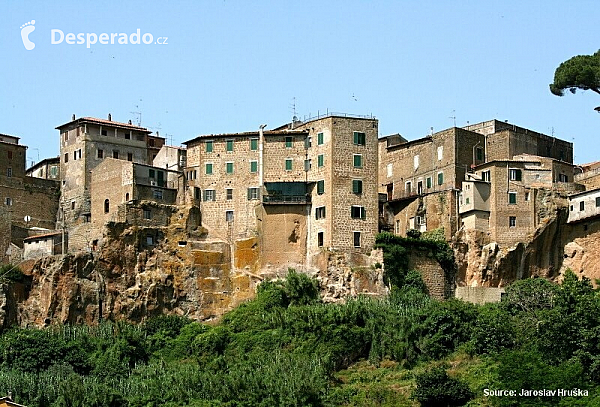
(579, 72)
(436, 389)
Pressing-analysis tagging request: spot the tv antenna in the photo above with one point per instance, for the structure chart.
(138, 116)
(170, 138)
(453, 117)
(293, 109)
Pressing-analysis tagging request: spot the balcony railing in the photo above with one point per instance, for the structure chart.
(286, 199)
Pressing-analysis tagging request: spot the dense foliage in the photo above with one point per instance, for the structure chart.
(287, 348)
(579, 72)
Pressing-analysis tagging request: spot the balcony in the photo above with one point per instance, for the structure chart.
(286, 199)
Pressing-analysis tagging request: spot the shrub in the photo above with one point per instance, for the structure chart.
(435, 388)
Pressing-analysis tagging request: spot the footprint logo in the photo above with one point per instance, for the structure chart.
(27, 29)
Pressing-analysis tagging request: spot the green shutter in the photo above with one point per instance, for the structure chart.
(229, 145)
(356, 186)
(320, 160)
(253, 166)
(359, 138)
(288, 164)
(288, 142)
(209, 146)
(357, 161)
(320, 138)
(253, 144)
(440, 178)
(229, 168)
(428, 182)
(209, 169)
(512, 198)
(320, 187)
(518, 175)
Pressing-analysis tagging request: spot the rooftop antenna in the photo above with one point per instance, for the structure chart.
(138, 117)
(170, 138)
(293, 109)
(453, 117)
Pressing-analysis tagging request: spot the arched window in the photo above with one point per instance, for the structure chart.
(106, 206)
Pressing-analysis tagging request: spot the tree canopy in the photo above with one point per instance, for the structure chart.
(579, 72)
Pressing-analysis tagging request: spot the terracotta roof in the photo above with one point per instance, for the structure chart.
(42, 235)
(247, 134)
(107, 122)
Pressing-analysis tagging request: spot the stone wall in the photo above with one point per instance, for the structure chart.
(479, 295)
(438, 285)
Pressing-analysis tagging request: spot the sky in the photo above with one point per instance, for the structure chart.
(230, 66)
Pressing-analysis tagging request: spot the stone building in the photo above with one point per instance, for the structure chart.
(27, 202)
(584, 205)
(138, 194)
(47, 244)
(424, 179)
(48, 168)
(84, 144)
(421, 178)
(301, 189)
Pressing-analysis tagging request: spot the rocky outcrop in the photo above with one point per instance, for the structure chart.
(186, 273)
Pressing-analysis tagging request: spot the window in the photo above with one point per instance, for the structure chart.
(357, 212)
(563, 178)
(229, 145)
(597, 202)
(288, 164)
(229, 167)
(581, 205)
(319, 139)
(527, 196)
(440, 178)
(320, 239)
(229, 194)
(196, 193)
(320, 160)
(9, 172)
(289, 141)
(466, 201)
(428, 182)
(440, 153)
(479, 153)
(253, 144)
(209, 168)
(356, 239)
(72, 205)
(209, 146)
(100, 153)
(229, 216)
(485, 175)
(106, 206)
(320, 212)
(115, 153)
(8, 201)
(10, 154)
(357, 185)
(66, 157)
(147, 214)
(209, 195)
(150, 240)
(416, 161)
(320, 187)
(129, 156)
(359, 138)
(514, 174)
(390, 170)
(252, 193)
(127, 197)
(127, 135)
(104, 132)
(157, 194)
(151, 173)
(151, 142)
(307, 164)
(512, 198)
(74, 155)
(253, 166)
(512, 221)
(358, 161)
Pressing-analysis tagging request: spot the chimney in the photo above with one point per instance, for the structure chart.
(109, 117)
(129, 122)
(73, 117)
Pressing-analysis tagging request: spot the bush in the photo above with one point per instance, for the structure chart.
(435, 388)
(494, 330)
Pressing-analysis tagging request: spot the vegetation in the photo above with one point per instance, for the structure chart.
(580, 72)
(287, 348)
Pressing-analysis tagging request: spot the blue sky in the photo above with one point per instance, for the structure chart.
(230, 66)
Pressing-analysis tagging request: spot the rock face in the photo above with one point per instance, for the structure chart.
(187, 273)
(554, 247)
